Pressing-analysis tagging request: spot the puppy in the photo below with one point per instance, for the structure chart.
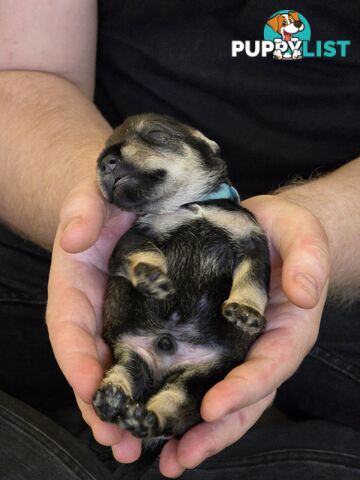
(286, 24)
(188, 283)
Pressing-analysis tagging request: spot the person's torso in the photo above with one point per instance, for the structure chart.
(273, 119)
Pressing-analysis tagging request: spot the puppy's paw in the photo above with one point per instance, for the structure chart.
(110, 401)
(140, 421)
(244, 317)
(151, 281)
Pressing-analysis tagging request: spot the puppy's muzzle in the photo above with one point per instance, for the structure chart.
(114, 172)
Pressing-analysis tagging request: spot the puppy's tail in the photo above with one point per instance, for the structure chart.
(135, 471)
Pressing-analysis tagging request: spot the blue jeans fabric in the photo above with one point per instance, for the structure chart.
(327, 385)
(311, 449)
(33, 447)
(323, 396)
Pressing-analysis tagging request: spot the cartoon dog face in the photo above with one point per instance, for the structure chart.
(286, 24)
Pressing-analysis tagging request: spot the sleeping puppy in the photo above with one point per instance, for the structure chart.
(188, 283)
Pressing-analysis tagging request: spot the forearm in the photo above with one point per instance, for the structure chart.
(335, 200)
(50, 137)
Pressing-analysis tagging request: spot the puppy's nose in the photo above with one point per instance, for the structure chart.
(108, 163)
(298, 24)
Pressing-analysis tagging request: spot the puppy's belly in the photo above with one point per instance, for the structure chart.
(162, 361)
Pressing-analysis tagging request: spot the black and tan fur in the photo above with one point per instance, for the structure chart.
(188, 282)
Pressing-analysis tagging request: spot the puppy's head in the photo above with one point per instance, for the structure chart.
(154, 164)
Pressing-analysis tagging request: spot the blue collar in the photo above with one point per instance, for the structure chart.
(224, 192)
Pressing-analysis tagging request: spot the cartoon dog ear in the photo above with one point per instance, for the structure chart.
(295, 16)
(274, 23)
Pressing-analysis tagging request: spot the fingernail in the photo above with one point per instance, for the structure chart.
(73, 223)
(308, 284)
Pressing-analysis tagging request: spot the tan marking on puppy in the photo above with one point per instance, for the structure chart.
(147, 272)
(156, 259)
(238, 226)
(129, 150)
(165, 223)
(118, 375)
(180, 169)
(167, 403)
(244, 292)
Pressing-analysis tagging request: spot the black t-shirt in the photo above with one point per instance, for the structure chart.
(273, 119)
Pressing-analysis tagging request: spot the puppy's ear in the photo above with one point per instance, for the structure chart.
(214, 147)
(274, 23)
(295, 16)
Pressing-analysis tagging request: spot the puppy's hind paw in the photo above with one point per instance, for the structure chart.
(151, 281)
(244, 317)
(110, 401)
(140, 421)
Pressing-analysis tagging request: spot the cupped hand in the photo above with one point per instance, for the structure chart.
(298, 288)
(88, 231)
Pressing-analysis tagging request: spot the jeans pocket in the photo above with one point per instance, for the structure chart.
(336, 362)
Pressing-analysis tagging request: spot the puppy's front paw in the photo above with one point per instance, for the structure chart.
(110, 401)
(151, 281)
(244, 317)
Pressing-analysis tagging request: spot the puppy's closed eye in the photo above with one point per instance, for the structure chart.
(156, 137)
(160, 173)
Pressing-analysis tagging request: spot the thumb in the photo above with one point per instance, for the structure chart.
(297, 237)
(302, 244)
(82, 217)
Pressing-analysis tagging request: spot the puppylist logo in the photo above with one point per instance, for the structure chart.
(287, 36)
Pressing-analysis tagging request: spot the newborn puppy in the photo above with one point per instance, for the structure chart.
(188, 282)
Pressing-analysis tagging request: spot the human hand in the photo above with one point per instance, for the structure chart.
(76, 287)
(89, 229)
(299, 280)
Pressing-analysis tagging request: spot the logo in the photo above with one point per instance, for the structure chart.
(287, 36)
(288, 31)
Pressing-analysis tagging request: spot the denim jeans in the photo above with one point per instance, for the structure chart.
(320, 441)
(32, 447)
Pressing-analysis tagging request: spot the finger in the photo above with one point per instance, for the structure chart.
(104, 433)
(72, 330)
(169, 465)
(128, 450)
(303, 247)
(207, 439)
(298, 237)
(82, 217)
